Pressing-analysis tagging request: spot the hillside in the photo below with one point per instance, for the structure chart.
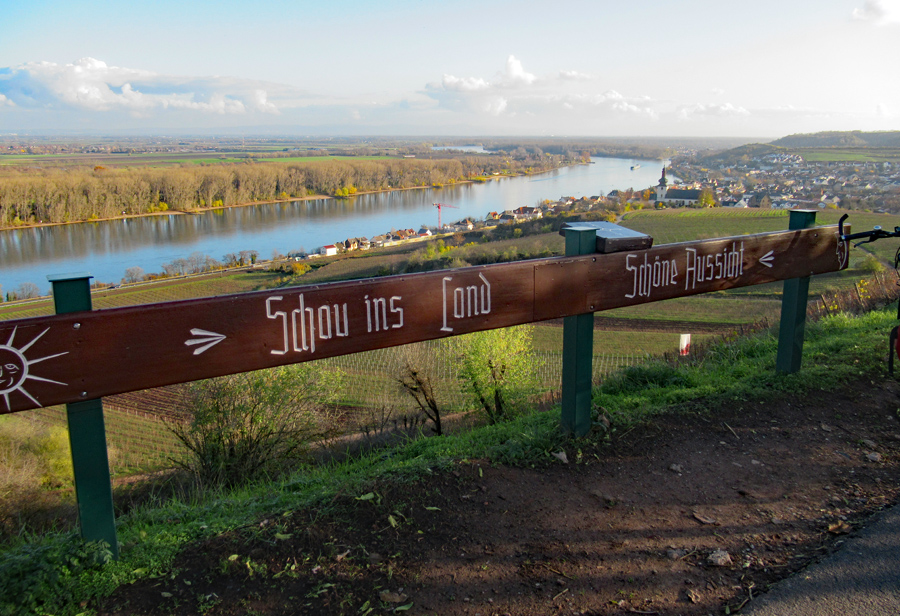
(709, 480)
(633, 524)
(835, 139)
(740, 155)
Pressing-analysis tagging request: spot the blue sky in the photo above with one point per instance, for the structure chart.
(413, 67)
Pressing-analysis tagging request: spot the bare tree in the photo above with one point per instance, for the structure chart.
(416, 381)
(27, 290)
(134, 274)
(421, 389)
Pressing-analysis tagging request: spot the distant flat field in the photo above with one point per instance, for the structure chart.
(160, 159)
(306, 159)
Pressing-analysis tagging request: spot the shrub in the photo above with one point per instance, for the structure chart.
(33, 454)
(36, 577)
(636, 379)
(34, 462)
(255, 423)
(871, 265)
(496, 370)
(298, 269)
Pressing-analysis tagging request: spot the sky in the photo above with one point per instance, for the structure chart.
(760, 69)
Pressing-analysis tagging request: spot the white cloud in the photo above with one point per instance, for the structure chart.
(574, 76)
(464, 84)
(92, 85)
(515, 92)
(6, 102)
(516, 75)
(496, 106)
(260, 99)
(879, 12)
(699, 111)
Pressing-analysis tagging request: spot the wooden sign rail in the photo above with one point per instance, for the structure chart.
(86, 355)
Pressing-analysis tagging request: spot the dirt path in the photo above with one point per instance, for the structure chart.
(685, 516)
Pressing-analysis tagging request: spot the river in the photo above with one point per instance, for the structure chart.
(105, 249)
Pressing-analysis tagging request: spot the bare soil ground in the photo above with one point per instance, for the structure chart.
(690, 514)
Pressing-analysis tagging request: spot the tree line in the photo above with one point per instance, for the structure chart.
(56, 195)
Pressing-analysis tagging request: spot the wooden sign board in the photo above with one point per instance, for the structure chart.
(86, 355)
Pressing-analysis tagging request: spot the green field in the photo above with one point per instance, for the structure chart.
(164, 159)
(148, 159)
(683, 225)
(722, 307)
(165, 290)
(849, 155)
(306, 159)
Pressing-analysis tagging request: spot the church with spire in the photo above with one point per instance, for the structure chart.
(675, 197)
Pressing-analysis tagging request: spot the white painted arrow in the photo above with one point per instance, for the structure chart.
(207, 339)
(767, 258)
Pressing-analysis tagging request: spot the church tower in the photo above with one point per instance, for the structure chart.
(662, 187)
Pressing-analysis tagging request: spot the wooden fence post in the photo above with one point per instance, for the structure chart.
(793, 307)
(87, 433)
(578, 349)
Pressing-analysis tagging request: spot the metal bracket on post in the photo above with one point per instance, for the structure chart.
(793, 307)
(87, 433)
(578, 331)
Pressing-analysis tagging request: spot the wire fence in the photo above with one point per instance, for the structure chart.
(372, 376)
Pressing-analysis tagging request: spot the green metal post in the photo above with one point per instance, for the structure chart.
(578, 349)
(87, 434)
(793, 307)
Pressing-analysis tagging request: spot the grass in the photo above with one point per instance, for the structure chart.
(682, 225)
(166, 290)
(713, 308)
(837, 349)
(548, 339)
(136, 443)
(849, 155)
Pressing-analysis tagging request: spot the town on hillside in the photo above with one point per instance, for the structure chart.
(781, 180)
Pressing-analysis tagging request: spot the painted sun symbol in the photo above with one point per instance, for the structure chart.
(15, 368)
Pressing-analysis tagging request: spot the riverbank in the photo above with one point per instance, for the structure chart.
(198, 210)
(202, 209)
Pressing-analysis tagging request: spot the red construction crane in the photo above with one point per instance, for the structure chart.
(439, 206)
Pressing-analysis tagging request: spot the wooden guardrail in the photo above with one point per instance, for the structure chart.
(78, 355)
